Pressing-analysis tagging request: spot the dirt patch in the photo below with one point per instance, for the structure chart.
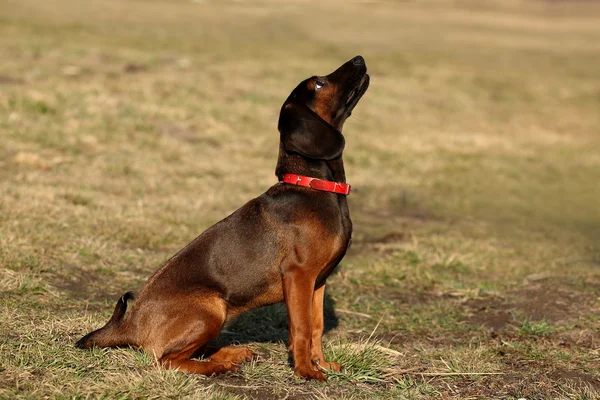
(577, 377)
(492, 313)
(407, 298)
(134, 68)
(553, 301)
(9, 80)
(85, 285)
(587, 338)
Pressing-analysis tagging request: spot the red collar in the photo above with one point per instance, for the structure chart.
(317, 184)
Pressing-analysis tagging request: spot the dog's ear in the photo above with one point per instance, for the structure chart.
(302, 131)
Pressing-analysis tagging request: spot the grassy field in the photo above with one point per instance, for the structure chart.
(129, 127)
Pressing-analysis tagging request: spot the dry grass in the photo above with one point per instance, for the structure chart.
(474, 269)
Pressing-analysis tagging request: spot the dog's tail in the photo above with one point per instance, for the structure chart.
(113, 334)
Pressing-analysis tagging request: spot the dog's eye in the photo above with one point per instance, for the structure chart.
(319, 84)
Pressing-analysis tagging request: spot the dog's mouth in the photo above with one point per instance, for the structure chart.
(357, 93)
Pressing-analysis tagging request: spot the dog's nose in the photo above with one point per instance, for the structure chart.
(358, 60)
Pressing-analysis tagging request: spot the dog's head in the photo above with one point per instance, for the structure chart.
(313, 115)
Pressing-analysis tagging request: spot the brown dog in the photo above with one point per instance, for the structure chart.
(281, 246)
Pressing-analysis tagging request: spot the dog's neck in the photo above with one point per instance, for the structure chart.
(290, 163)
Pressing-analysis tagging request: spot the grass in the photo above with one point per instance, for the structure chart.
(130, 127)
(540, 328)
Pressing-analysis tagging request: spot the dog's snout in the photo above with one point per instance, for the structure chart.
(358, 60)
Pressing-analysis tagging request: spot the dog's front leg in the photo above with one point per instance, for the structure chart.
(298, 291)
(316, 350)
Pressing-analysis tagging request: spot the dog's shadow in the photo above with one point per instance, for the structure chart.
(268, 325)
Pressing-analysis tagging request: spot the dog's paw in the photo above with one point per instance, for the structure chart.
(307, 372)
(235, 354)
(224, 366)
(330, 366)
(247, 355)
(327, 365)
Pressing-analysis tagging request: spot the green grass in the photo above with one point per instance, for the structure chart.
(130, 127)
(539, 328)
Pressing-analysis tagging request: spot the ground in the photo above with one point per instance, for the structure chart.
(129, 127)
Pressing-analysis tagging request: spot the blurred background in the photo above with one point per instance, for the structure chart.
(129, 127)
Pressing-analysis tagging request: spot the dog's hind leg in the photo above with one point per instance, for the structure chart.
(182, 362)
(188, 332)
(234, 354)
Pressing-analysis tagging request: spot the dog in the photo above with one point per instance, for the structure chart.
(280, 246)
